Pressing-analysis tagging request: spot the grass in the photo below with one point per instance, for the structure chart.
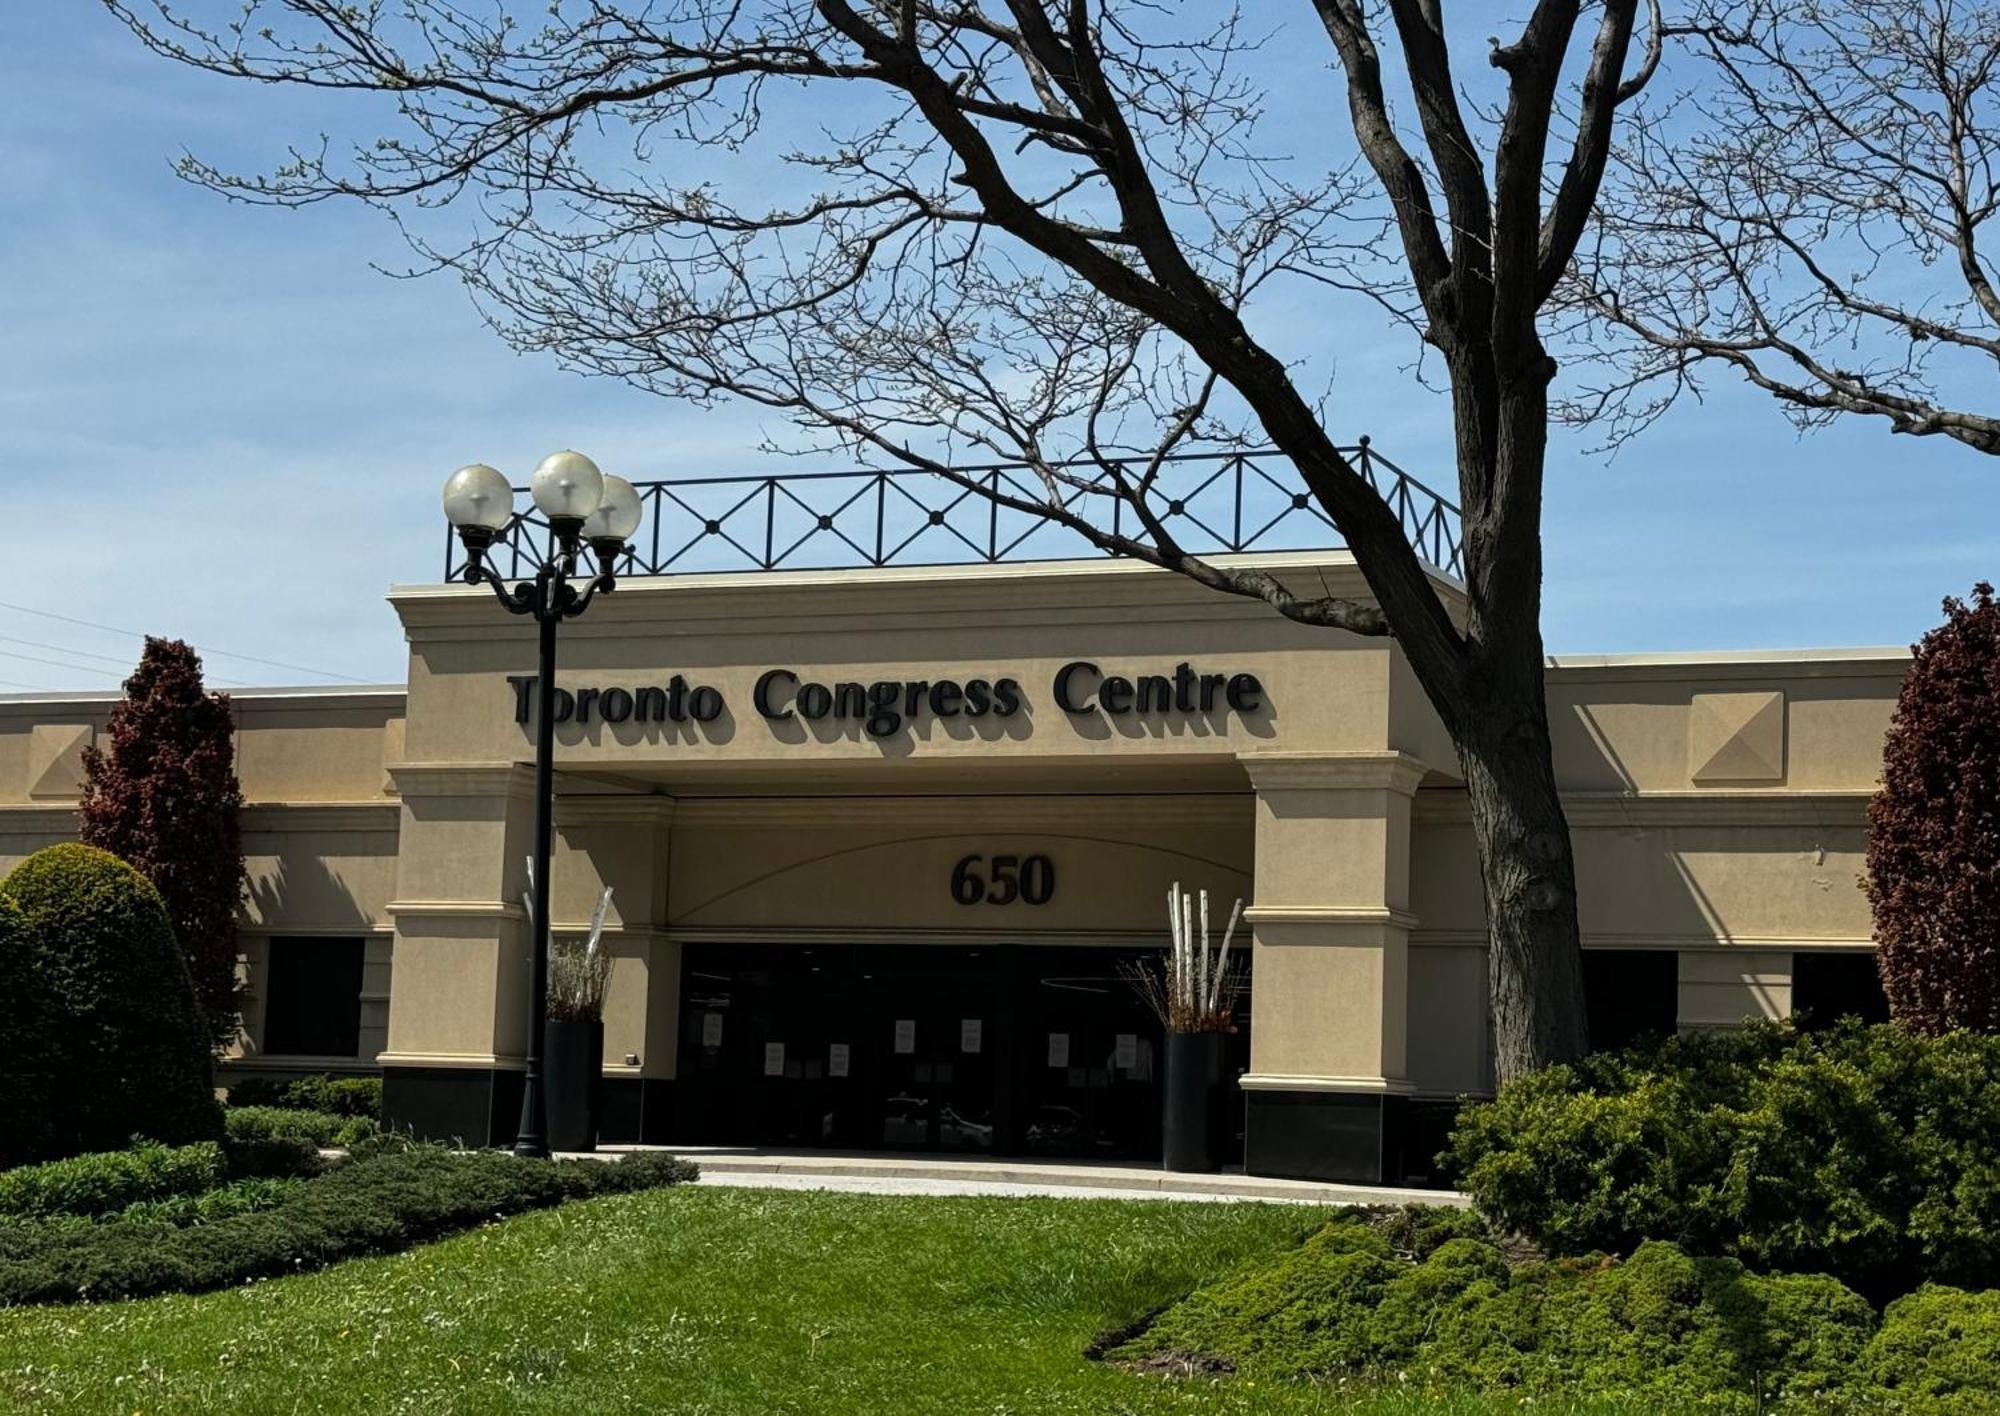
(718, 1301)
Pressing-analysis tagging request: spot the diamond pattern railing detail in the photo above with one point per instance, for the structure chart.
(1213, 503)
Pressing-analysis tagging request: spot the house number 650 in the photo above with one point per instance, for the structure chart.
(1029, 879)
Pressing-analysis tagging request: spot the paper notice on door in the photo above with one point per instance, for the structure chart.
(1126, 1055)
(906, 1034)
(971, 1031)
(711, 1029)
(836, 1059)
(1059, 1049)
(774, 1059)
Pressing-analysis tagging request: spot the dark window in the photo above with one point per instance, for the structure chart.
(1829, 987)
(312, 998)
(1630, 994)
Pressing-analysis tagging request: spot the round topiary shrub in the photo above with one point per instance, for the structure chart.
(1934, 828)
(123, 1045)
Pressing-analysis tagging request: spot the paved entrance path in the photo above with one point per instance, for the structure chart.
(902, 1174)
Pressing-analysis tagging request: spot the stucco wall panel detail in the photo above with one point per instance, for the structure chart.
(55, 760)
(875, 876)
(1451, 1024)
(1736, 737)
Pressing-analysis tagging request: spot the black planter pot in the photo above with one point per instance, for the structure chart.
(573, 1063)
(1191, 1131)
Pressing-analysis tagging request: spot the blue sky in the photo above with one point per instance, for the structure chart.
(223, 424)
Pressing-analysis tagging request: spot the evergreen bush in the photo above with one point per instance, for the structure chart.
(383, 1204)
(120, 1038)
(1934, 828)
(1938, 1351)
(344, 1096)
(320, 1128)
(1661, 1327)
(1869, 1153)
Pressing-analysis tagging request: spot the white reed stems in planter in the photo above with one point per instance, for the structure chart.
(1196, 990)
(579, 969)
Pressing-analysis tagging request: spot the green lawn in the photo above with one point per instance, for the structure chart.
(693, 1300)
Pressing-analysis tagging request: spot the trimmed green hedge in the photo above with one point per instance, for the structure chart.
(1939, 1350)
(381, 1204)
(343, 1096)
(321, 1128)
(1869, 1153)
(105, 1182)
(1433, 1308)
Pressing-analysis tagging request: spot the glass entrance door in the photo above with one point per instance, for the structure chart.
(1007, 1050)
(934, 1025)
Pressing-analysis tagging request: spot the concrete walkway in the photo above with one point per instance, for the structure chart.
(905, 1174)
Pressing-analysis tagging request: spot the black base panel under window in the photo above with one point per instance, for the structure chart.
(635, 1111)
(474, 1106)
(1345, 1137)
(1829, 986)
(999, 1050)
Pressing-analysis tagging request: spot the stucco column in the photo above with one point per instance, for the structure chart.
(1330, 963)
(458, 1010)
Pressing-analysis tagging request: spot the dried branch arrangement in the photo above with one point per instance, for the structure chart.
(1192, 990)
(579, 969)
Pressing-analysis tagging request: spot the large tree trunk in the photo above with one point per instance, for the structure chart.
(1534, 960)
(1501, 728)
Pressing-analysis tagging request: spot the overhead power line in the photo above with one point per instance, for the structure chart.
(125, 663)
(201, 649)
(59, 664)
(64, 649)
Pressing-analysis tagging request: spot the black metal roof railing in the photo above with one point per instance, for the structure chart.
(1212, 502)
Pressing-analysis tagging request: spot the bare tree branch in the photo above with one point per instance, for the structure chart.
(1030, 229)
(1809, 212)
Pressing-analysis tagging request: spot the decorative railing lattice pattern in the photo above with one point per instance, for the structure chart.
(1212, 503)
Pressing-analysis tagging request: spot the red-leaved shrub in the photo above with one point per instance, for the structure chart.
(164, 798)
(1934, 829)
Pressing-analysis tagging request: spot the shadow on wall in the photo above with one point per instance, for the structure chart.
(302, 893)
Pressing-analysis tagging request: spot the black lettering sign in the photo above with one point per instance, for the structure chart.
(1082, 688)
(1004, 880)
(676, 702)
(885, 706)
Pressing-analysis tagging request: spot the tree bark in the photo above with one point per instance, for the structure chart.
(1526, 859)
(1534, 959)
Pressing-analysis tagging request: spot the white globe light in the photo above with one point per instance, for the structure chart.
(618, 512)
(567, 486)
(478, 496)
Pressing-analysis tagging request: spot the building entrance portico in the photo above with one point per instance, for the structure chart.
(877, 892)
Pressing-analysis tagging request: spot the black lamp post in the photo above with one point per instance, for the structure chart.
(582, 505)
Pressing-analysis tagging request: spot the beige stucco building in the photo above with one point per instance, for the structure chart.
(791, 848)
